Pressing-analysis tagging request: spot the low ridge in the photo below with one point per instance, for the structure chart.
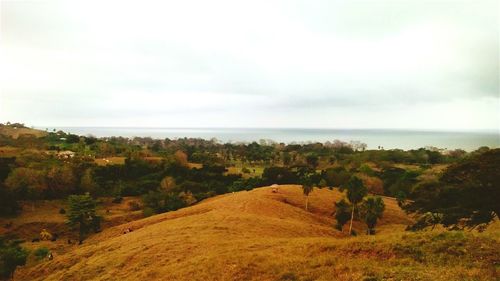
(228, 237)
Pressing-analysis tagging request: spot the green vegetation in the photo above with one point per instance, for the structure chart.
(41, 253)
(82, 214)
(372, 209)
(456, 189)
(467, 195)
(12, 255)
(355, 193)
(342, 213)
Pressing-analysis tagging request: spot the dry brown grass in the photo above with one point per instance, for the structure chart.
(256, 235)
(9, 151)
(16, 133)
(191, 165)
(46, 215)
(115, 160)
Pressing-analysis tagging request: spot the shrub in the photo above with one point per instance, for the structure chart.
(62, 211)
(134, 206)
(117, 200)
(365, 169)
(245, 170)
(161, 202)
(41, 253)
(147, 212)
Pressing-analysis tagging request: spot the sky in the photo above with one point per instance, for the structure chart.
(403, 64)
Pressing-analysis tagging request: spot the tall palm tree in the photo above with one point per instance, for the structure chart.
(307, 188)
(355, 193)
(372, 209)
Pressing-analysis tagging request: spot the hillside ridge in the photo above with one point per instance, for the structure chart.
(204, 234)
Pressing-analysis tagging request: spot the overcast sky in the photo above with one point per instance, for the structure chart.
(303, 64)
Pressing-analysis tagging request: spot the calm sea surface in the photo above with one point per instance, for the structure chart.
(373, 138)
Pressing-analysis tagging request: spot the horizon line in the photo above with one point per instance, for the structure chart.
(490, 130)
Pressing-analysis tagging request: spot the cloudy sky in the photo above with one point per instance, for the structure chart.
(303, 64)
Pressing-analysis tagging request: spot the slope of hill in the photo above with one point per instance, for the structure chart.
(15, 132)
(260, 235)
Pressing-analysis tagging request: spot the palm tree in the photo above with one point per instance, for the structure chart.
(355, 193)
(373, 207)
(307, 188)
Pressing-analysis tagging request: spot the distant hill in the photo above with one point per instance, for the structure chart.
(261, 235)
(17, 131)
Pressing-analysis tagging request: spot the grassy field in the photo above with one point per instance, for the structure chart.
(260, 235)
(16, 132)
(255, 171)
(115, 160)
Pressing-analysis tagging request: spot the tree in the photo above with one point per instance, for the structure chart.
(87, 182)
(286, 158)
(336, 177)
(307, 188)
(8, 203)
(160, 201)
(27, 183)
(187, 197)
(342, 213)
(60, 180)
(279, 175)
(12, 255)
(82, 214)
(181, 158)
(355, 193)
(466, 195)
(168, 184)
(372, 209)
(312, 160)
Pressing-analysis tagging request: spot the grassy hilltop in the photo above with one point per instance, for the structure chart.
(261, 235)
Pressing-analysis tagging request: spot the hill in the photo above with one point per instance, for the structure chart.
(260, 235)
(16, 132)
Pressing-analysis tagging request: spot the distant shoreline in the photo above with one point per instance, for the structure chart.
(387, 138)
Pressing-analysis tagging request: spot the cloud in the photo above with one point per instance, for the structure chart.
(228, 63)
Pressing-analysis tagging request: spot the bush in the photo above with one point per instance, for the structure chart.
(11, 256)
(117, 200)
(161, 202)
(245, 170)
(147, 212)
(62, 211)
(365, 169)
(134, 206)
(41, 253)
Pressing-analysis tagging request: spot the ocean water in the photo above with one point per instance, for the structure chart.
(389, 139)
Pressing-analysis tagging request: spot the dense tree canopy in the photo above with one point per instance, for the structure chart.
(467, 194)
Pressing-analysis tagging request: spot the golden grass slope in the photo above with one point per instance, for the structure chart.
(260, 235)
(15, 132)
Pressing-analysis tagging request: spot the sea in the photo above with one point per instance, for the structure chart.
(374, 138)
